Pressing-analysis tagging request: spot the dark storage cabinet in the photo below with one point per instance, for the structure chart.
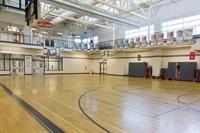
(172, 70)
(137, 69)
(182, 70)
(187, 71)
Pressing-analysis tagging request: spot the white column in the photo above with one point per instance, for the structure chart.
(149, 27)
(113, 35)
(28, 35)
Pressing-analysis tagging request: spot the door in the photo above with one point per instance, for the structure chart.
(103, 67)
(17, 67)
(187, 70)
(172, 70)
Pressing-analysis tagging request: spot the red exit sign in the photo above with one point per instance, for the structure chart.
(192, 55)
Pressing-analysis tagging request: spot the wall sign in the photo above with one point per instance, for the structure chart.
(139, 57)
(192, 55)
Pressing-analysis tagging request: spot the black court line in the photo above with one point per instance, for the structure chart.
(82, 110)
(196, 111)
(189, 108)
(124, 108)
(147, 97)
(174, 109)
(184, 95)
(45, 122)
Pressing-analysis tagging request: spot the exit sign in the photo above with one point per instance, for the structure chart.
(192, 55)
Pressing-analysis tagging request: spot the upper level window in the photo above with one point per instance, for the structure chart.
(87, 40)
(143, 31)
(77, 40)
(183, 23)
(96, 39)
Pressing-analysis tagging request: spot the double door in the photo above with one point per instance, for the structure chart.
(103, 67)
(17, 67)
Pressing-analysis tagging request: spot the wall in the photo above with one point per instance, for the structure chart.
(11, 16)
(117, 63)
(74, 62)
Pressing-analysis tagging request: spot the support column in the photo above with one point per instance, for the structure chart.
(28, 35)
(149, 26)
(113, 35)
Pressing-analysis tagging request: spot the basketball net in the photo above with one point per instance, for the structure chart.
(52, 52)
(40, 22)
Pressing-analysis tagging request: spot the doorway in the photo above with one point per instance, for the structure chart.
(103, 68)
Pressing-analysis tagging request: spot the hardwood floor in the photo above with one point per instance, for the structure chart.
(98, 104)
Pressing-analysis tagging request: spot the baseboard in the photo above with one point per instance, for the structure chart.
(63, 73)
(4, 74)
(155, 77)
(116, 75)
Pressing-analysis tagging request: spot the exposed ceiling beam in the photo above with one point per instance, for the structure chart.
(139, 6)
(122, 10)
(82, 21)
(51, 10)
(83, 10)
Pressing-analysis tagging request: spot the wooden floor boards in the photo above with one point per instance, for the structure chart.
(98, 104)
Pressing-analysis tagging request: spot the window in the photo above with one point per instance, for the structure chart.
(87, 40)
(143, 31)
(183, 23)
(53, 64)
(4, 62)
(77, 41)
(96, 39)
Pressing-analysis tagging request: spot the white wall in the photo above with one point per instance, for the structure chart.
(76, 65)
(73, 65)
(12, 18)
(117, 63)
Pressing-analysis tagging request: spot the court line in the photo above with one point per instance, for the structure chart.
(179, 97)
(143, 98)
(157, 99)
(163, 102)
(58, 116)
(118, 106)
(174, 109)
(82, 110)
(189, 107)
(45, 122)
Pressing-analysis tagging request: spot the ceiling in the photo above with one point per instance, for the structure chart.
(101, 13)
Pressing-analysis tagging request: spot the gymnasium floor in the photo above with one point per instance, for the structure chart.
(98, 104)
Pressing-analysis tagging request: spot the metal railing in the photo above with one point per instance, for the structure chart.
(123, 43)
(18, 38)
(16, 4)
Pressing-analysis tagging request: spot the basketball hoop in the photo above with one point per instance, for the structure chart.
(41, 24)
(33, 15)
(52, 52)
